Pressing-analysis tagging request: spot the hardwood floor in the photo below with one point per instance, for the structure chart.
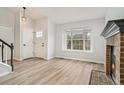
(55, 71)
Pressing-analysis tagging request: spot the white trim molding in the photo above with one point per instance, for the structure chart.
(85, 60)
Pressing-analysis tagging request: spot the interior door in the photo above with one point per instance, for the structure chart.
(39, 45)
(27, 43)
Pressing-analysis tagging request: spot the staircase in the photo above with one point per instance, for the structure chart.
(6, 63)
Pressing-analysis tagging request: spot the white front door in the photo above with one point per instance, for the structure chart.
(27, 43)
(39, 44)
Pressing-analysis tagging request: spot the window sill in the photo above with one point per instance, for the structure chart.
(78, 51)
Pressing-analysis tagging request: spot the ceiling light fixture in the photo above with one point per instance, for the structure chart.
(23, 15)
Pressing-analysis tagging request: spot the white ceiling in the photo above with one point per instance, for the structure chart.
(65, 14)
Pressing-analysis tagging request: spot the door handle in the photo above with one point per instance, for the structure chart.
(24, 44)
(42, 44)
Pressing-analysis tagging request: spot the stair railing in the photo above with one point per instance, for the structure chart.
(6, 45)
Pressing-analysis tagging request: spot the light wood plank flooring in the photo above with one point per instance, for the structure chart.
(52, 72)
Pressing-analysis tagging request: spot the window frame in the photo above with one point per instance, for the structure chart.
(84, 40)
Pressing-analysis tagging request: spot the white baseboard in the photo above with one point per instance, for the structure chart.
(17, 59)
(50, 58)
(86, 60)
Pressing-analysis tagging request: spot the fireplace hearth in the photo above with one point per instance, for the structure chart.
(114, 35)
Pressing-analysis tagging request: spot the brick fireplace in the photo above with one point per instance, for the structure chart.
(114, 35)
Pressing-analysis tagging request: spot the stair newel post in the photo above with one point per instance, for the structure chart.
(12, 56)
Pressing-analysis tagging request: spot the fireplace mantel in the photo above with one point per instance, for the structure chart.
(113, 27)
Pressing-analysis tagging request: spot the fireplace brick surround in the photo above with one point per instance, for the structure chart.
(113, 41)
(114, 35)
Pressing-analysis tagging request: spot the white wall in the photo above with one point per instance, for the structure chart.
(115, 13)
(6, 18)
(98, 42)
(7, 21)
(51, 40)
(10, 20)
(6, 28)
(17, 38)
